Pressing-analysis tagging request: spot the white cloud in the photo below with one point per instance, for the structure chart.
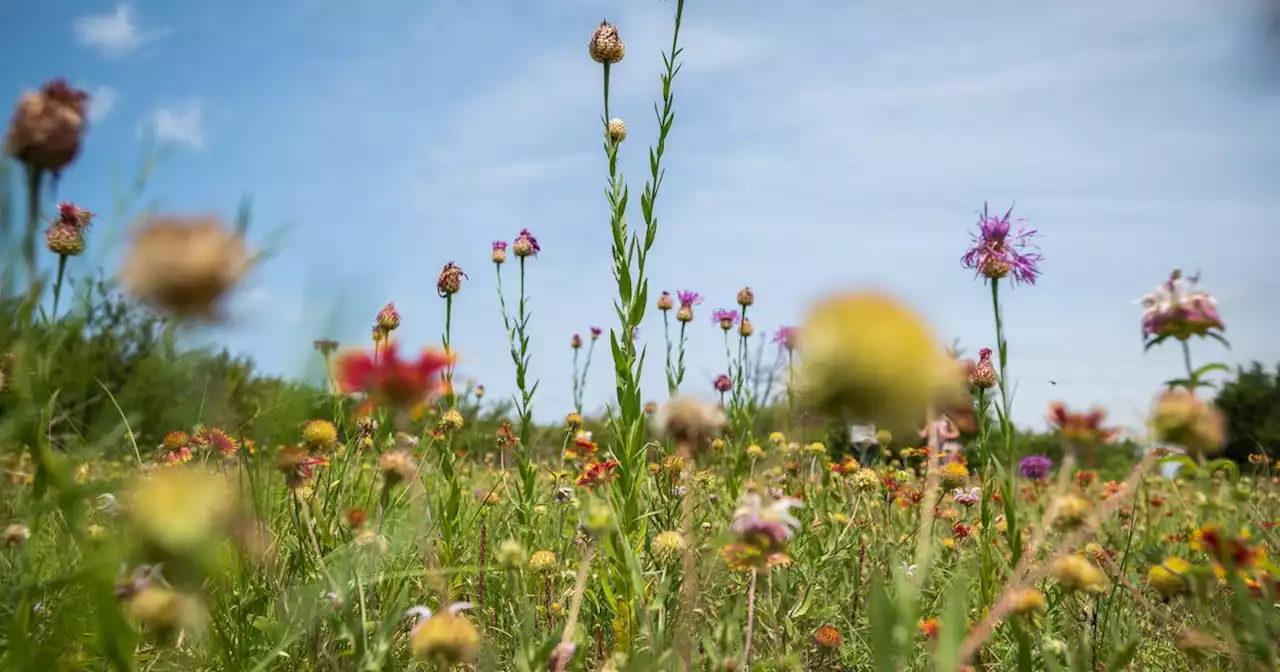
(181, 124)
(115, 33)
(102, 100)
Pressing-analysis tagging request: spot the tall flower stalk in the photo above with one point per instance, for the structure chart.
(524, 246)
(630, 252)
(580, 375)
(1002, 251)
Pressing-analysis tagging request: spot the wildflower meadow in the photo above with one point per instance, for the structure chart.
(846, 493)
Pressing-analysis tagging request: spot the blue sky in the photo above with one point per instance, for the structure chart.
(818, 145)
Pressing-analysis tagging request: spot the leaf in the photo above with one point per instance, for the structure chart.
(884, 648)
(954, 625)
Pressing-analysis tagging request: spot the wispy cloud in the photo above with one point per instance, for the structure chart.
(115, 33)
(102, 100)
(181, 124)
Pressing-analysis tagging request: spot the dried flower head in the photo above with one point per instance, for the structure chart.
(1074, 572)
(606, 45)
(184, 265)
(397, 466)
(865, 355)
(616, 131)
(450, 281)
(47, 126)
(999, 250)
(16, 535)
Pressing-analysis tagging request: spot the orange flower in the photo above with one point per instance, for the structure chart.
(391, 380)
(1080, 427)
(598, 473)
(828, 637)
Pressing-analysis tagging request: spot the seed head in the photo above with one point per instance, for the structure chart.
(47, 126)
(184, 265)
(511, 554)
(606, 45)
(616, 131)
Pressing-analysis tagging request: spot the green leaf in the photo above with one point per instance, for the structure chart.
(954, 625)
(884, 625)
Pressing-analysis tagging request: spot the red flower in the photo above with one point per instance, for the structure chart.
(598, 474)
(391, 380)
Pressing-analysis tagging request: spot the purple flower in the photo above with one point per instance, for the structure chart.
(1035, 467)
(787, 337)
(998, 250)
(500, 245)
(595, 333)
(689, 299)
(723, 383)
(725, 318)
(766, 526)
(525, 244)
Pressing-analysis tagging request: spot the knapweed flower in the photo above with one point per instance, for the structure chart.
(766, 527)
(786, 338)
(391, 380)
(616, 130)
(1177, 309)
(446, 639)
(595, 332)
(47, 126)
(1171, 577)
(66, 241)
(1084, 428)
(525, 245)
(723, 383)
(999, 251)
(746, 297)
(499, 251)
(725, 318)
(868, 356)
(606, 46)
(1035, 467)
(184, 265)
(688, 300)
(450, 280)
(575, 342)
(745, 328)
(982, 374)
(666, 301)
(1074, 572)
(1182, 418)
(388, 319)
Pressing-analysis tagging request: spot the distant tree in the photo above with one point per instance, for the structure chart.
(1251, 404)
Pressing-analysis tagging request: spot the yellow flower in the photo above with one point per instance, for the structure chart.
(777, 438)
(1027, 601)
(542, 561)
(319, 434)
(181, 509)
(866, 354)
(1069, 511)
(451, 420)
(165, 611)
(1075, 572)
(953, 474)
(446, 639)
(1169, 578)
(667, 545)
(755, 451)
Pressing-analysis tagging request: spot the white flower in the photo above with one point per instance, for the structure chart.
(753, 512)
(909, 570)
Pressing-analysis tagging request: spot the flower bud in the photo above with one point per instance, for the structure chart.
(606, 45)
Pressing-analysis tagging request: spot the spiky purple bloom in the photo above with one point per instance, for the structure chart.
(787, 337)
(723, 383)
(595, 333)
(500, 245)
(999, 250)
(1035, 467)
(725, 318)
(688, 298)
(525, 244)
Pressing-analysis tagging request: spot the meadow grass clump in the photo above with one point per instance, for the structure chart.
(169, 509)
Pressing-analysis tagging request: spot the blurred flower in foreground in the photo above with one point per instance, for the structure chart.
(1035, 467)
(47, 126)
(446, 639)
(688, 422)
(1182, 418)
(1177, 309)
(181, 510)
(998, 250)
(866, 355)
(786, 338)
(765, 527)
(184, 265)
(1083, 428)
(391, 380)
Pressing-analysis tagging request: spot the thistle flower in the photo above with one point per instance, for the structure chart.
(766, 527)
(866, 355)
(499, 251)
(450, 280)
(526, 245)
(786, 338)
(665, 301)
(723, 383)
(575, 342)
(595, 332)
(388, 319)
(606, 46)
(391, 380)
(184, 266)
(746, 297)
(63, 240)
(446, 639)
(745, 329)
(687, 300)
(1177, 309)
(1035, 467)
(47, 126)
(982, 374)
(998, 250)
(725, 318)
(616, 131)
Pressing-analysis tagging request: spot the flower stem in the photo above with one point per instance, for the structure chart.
(751, 620)
(57, 285)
